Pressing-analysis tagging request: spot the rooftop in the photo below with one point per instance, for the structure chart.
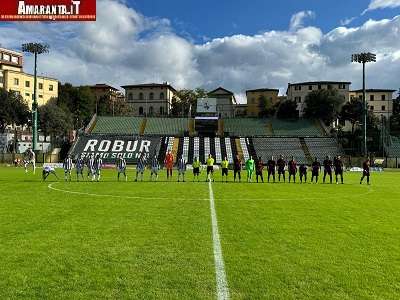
(11, 51)
(149, 85)
(320, 82)
(262, 90)
(374, 90)
(103, 86)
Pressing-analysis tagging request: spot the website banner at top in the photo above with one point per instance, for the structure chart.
(48, 10)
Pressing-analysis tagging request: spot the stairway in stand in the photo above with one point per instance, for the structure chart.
(306, 151)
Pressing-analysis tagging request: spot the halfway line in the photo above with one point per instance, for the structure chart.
(222, 285)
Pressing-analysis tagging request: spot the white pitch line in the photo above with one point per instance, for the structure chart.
(51, 187)
(222, 284)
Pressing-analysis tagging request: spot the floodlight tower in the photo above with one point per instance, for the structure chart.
(35, 49)
(364, 58)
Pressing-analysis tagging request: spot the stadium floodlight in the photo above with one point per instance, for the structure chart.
(364, 58)
(35, 49)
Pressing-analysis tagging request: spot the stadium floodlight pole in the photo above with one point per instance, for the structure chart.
(35, 49)
(364, 58)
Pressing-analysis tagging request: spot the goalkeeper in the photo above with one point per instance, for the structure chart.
(250, 166)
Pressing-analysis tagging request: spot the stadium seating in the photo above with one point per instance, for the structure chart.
(394, 149)
(243, 145)
(218, 151)
(245, 127)
(166, 126)
(228, 150)
(295, 128)
(185, 148)
(322, 147)
(117, 125)
(288, 147)
(196, 148)
(206, 146)
(271, 127)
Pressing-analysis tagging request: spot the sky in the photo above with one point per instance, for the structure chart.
(236, 44)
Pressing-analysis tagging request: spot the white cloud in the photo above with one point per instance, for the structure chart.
(132, 48)
(347, 21)
(380, 4)
(297, 20)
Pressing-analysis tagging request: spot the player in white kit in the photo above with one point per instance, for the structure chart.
(98, 165)
(120, 165)
(47, 171)
(29, 158)
(67, 165)
(181, 169)
(79, 166)
(90, 166)
(155, 167)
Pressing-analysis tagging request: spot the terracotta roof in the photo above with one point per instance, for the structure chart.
(103, 86)
(263, 90)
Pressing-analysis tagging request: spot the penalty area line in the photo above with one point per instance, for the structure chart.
(222, 284)
(51, 187)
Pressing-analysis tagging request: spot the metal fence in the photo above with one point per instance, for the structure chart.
(9, 158)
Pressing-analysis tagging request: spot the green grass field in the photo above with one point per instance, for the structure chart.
(127, 240)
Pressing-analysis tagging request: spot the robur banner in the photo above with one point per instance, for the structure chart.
(47, 10)
(109, 147)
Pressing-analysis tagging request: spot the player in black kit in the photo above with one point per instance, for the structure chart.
(366, 173)
(281, 168)
(303, 173)
(271, 168)
(316, 168)
(338, 165)
(328, 168)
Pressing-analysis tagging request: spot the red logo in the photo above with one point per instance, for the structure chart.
(48, 10)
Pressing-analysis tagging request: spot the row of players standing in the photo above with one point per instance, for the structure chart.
(94, 165)
(281, 165)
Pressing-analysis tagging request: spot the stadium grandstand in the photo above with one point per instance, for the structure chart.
(393, 149)
(303, 139)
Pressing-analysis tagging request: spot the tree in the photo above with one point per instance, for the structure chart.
(265, 106)
(396, 104)
(80, 101)
(54, 120)
(185, 102)
(352, 111)
(14, 110)
(288, 110)
(323, 104)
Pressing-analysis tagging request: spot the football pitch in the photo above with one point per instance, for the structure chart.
(169, 240)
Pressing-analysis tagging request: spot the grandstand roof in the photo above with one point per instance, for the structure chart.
(146, 85)
(373, 90)
(319, 82)
(262, 90)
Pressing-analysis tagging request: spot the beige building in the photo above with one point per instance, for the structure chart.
(379, 101)
(299, 91)
(13, 78)
(105, 91)
(254, 98)
(226, 102)
(152, 99)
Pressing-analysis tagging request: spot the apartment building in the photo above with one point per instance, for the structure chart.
(299, 91)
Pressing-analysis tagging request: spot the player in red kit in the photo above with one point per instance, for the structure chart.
(169, 164)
